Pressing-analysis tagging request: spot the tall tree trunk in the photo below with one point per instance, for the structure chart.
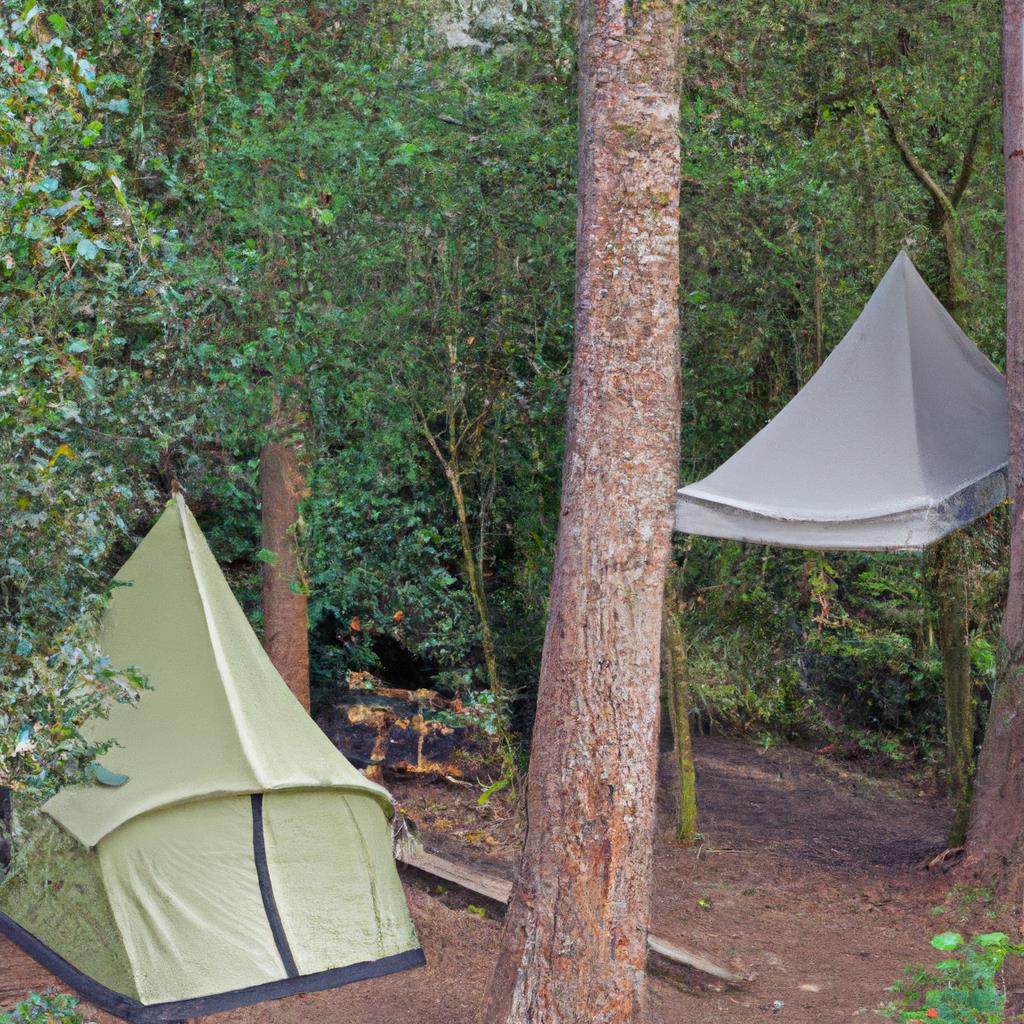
(675, 673)
(285, 614)
(946, 581)
(944, 577)
(996, 837)
(573, 948)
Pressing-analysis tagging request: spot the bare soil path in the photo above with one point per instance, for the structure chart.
(807, 879)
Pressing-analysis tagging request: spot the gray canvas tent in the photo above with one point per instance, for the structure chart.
(236, 856)
(898, 439)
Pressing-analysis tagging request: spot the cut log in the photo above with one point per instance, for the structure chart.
(493, 887)
(477, 882)
(677, 955)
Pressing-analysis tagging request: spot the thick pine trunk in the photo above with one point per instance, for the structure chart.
(573, 948)
(285, 614)
(996, 837)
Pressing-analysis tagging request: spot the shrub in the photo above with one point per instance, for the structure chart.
(45, 1009)
(962, 989)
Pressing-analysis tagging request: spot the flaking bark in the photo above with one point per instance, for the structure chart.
(574, 943)
(996, 835)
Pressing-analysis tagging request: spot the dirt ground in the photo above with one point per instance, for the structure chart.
(807, 879)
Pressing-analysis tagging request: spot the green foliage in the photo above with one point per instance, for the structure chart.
(76, 291)
(43, 1009)
(329, 208)
(964, 988)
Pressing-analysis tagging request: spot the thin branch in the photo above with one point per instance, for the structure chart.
(967, 166)
(432, 441)
(934, 189)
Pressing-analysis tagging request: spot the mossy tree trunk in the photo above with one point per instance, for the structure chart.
(945, 575)
(675, 675)
(945, 563)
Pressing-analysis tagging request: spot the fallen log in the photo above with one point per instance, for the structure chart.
(499, 890)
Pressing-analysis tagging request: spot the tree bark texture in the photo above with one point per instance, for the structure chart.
(945, 574)
(675, 674)
(996, 837)
(573, 947)
(285, 614)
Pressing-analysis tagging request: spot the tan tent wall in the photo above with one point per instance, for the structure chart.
(242, 858)
(219, 718)
(321, 841)
(183, 888)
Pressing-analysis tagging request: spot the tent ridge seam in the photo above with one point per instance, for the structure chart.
(220, 659)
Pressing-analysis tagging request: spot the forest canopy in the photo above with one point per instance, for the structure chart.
(367, 210)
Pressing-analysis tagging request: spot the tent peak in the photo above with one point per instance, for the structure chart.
(219, 718)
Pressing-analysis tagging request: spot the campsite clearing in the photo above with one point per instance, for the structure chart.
(808, 879)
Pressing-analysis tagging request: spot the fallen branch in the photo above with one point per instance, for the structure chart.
(499, 890)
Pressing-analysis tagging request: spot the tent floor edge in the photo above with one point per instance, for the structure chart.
(177, 1012)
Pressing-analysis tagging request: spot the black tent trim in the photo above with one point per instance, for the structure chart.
(259, 851)
(165, 1013)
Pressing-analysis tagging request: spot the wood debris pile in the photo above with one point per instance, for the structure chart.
(413, 731)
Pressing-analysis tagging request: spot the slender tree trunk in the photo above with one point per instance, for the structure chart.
(285, 614)
(996, 837)
(474, 575)
(675, 673)
(956, 288)
(573, 947)
(945, 575)
(6, 824)
(946, 584)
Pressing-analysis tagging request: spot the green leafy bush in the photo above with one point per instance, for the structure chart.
(962, 989)
(44, 1009)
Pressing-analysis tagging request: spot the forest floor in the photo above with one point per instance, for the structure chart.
(807, 879)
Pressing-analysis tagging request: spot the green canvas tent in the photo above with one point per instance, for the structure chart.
(243, 858)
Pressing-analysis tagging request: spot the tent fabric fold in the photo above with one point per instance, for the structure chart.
(897, 440)
(243, 858)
